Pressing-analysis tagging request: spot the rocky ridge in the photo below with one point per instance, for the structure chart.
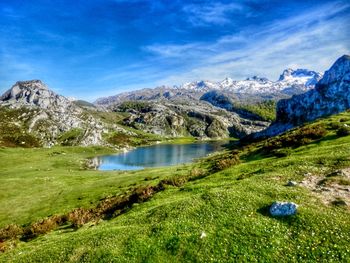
(197, 119)
(252, 89)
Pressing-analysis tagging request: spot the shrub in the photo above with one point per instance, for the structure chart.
(226, 162)
(80, 216)
(10, 232)
(334, 125)
(43, 226)
(174, 181)
(282, 152)
(296, 138)
(197, 173)
(119, 139)
(343, 131)
(71, 137)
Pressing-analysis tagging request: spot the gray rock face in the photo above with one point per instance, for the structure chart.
(33, 93)
(195, 118)
(331, 95)
(281, 209)
(52, 114)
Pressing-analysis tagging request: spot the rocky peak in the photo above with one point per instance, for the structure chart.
(31, 84)
(340, 71)
(34, 93)
(199, 85)
(286, 73)
(308, 77)
(227, 82)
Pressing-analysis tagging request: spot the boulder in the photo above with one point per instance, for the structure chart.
(282, 209)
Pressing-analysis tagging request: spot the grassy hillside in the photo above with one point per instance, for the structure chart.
(265, 110)
(214, 210)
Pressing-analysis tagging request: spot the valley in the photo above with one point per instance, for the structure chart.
(291, 148)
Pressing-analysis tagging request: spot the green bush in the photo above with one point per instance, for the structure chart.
(226, 162)
(297, 138)
(282, 152)
(343, 131)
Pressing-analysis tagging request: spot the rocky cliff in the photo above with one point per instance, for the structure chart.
(330, 96)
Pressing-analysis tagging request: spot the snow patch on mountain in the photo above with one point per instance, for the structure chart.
(299, 80)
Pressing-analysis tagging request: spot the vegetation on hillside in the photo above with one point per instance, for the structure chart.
(12, 129)
(141, 106)
(215, 209)
(265, 110)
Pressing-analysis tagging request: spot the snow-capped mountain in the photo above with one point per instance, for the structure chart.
(300, 76)
(290, 81)
(255, 88)
(199, 85)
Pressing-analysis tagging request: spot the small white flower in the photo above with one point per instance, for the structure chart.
(203, 235)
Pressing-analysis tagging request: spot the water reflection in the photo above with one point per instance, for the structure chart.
(156, 155)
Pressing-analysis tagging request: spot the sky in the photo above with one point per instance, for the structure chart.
(94, 48)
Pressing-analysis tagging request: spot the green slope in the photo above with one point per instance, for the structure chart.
(220, 217)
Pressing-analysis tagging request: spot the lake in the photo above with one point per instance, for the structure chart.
(157, 156)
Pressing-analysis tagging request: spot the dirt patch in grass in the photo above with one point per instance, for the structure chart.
(333, 189)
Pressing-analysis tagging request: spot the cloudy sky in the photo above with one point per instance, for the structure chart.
(93, 48)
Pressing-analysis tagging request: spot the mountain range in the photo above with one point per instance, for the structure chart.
(289, 83)
(202, 109)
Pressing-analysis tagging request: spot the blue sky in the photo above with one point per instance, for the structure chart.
(92, 48)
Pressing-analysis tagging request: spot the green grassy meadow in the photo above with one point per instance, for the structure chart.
(220, 216)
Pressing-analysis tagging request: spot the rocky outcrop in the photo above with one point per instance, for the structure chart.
(218, 99)
(51, 115)
(330, 96)
(187, 119)
(35, 93)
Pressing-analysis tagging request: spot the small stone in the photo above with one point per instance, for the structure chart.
(281, 209)
(292, 183)
(307, 174)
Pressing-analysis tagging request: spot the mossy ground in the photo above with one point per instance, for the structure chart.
(221, 217)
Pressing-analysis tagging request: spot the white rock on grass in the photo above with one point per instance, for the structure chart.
(283, 209)
(292, 183)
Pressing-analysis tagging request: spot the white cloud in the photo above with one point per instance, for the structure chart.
(211, 13)
(311, 40)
